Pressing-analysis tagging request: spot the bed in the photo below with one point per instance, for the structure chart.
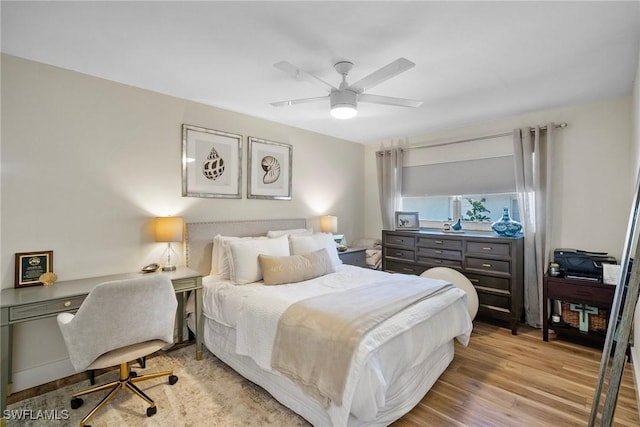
(394, 363)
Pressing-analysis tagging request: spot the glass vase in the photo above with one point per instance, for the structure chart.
(505, 226)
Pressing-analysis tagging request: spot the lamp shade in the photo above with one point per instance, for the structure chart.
(169, 229)
(329, 224)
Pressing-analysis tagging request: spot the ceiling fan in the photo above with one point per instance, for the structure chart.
(344, 98)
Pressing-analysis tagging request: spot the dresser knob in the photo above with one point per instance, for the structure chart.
(486, 265)
(67, 304)
(486, 248)
(438, 242)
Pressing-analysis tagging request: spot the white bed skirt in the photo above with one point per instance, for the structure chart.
(401, 396)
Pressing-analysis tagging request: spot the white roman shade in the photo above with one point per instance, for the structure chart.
(483, 166)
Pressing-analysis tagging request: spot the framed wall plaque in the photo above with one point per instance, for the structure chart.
(30, 266)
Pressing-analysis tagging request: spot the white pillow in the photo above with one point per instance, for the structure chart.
(244, 266)
(303, 244)
(278, 233)
(219, 259)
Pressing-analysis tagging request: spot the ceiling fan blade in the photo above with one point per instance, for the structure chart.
(300, 74)
(398, 66)
(388, 100)
(298, 101)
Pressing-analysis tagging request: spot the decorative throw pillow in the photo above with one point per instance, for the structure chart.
(219, 259)
(303, 244)
(244, 266)
(277, 270)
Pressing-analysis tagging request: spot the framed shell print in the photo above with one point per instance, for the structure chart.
(270, 165)
(211, 163)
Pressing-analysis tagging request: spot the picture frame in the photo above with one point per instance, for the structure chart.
(211, 163)
(270, 167)
(407, 220)
(30, 266)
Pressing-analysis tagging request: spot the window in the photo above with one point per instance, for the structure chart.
(474, 180)
(443, 208)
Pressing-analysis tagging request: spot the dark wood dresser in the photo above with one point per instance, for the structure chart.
(493, 264)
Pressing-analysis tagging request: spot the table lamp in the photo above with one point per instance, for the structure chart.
(328, 224)
(169, 229)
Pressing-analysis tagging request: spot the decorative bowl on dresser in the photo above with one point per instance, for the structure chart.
(494, 264)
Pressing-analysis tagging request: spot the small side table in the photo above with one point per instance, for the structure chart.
(354, 256)
(578, 292)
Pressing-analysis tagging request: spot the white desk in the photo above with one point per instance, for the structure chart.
(38, 302)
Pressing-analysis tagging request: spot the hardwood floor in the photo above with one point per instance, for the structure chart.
(506, 380)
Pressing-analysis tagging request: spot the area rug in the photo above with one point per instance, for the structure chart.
(208, 393)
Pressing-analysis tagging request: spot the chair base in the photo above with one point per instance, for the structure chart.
(127, 380)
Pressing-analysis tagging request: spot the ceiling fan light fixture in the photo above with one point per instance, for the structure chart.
(343, 104)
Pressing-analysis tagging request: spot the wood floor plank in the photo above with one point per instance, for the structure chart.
(513, 381)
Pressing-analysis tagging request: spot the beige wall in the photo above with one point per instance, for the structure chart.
(86, 163)
(591, 185)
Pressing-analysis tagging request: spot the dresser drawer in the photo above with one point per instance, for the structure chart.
(440, 262)
(489, 248)
(439, 253)
(495, 266)
(399, 267)
(495, 302)
(489, 282)
(45, 308)
(399, 253)
(400, 240)
(435, 242)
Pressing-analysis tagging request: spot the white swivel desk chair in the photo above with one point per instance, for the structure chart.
(120, 321)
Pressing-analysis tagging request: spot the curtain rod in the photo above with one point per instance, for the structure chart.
(478, 138)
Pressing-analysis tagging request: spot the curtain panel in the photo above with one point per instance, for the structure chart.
(533, 173)
(389, 164)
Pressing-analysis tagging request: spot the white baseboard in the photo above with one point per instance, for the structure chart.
(43, 374)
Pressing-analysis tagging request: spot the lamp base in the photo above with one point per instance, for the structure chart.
(169, 268)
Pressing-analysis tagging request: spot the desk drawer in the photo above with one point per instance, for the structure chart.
(492, 265)
(488, 248)
(184, 284)
(436, 242)
(44, 308)
(600, 296)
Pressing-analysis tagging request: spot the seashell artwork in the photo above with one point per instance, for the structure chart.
(213, 167)
(48, 279)
(271, 167)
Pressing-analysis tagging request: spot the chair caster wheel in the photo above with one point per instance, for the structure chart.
(173, 379)
(76, 403)
(151, 411)
(133, 374)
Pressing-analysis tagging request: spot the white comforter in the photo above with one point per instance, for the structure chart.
(254, 310)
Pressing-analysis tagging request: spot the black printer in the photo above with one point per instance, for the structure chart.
(582, 264)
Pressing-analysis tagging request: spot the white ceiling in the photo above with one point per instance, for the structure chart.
(475, 61)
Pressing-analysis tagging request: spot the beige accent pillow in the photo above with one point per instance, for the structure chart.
(277, 270)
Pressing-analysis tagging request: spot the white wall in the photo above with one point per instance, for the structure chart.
(591, 185)
(86, 164)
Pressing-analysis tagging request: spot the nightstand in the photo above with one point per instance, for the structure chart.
(354, 256)
(594, 294)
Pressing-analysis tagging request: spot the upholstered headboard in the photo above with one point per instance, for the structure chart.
(199, 241)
